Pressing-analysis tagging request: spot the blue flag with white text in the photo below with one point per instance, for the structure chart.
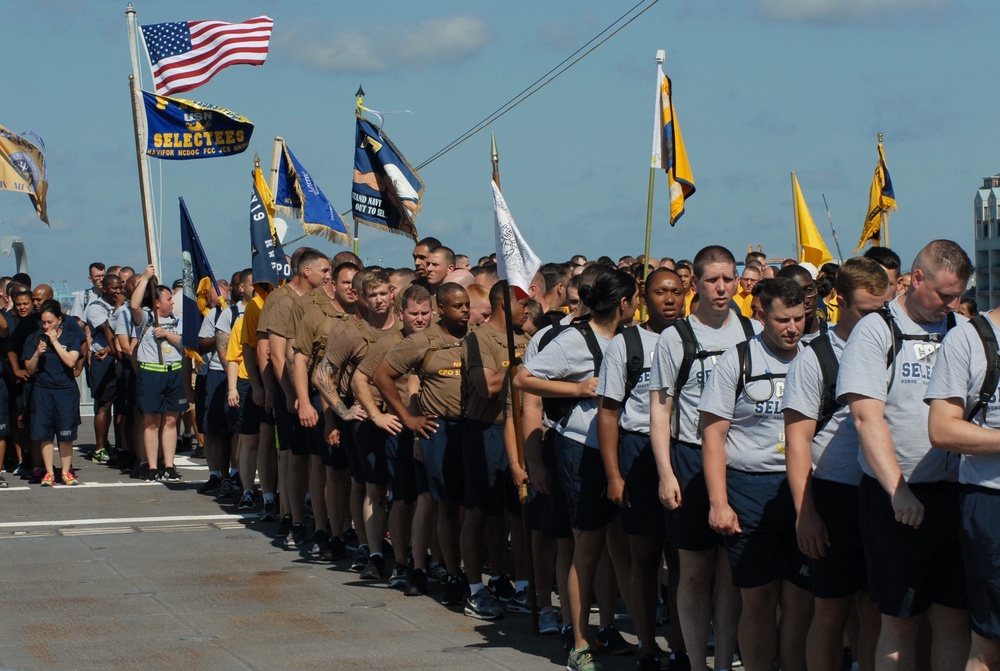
(184, 129)
(266, 253)
(387, 191)
(298, 196)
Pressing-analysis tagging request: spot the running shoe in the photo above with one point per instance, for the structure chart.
(648, 663)
(483, 606)
(297, 539)
(101, 456)
(246, 502)
(437, 572)
(48, 480)
(374, 569)
(610, 640)
(360, 560)
(582, 660)
(69, 479)
(501, 587)
(285, 527)
(678, 662)
(418, 583)
(519, 602)
(228, 489)
(454, 591)
(3, 483)
(400, 577)
(321, 544)
(337, 549)
(210, 486)
(170, 474)
(270, 511)
(351, 539)
(549, 622)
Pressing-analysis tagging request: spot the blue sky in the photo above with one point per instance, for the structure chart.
(762, 88)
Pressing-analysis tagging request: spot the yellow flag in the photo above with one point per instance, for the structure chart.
(22, 168)
(881, 199)
(668, 148)
(811, 245)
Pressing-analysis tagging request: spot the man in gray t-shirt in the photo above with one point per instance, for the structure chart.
(743, 447)
(908, 501)
(823, 472)
(676, 443)
(960, 423)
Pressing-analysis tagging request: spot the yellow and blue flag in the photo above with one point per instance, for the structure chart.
(185, 129)
(668, 148)
(387, 192)
(22, 168)
(199, 280)
(267, 255)
(881, 198)
(297, 195)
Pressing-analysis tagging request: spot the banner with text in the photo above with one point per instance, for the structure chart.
(184, 129)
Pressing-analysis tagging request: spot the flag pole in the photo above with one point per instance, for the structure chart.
(357, 226)
(275, 161)
(795, 213)
(141, 133)
(515, 404)
(840, 256)
(661, 56)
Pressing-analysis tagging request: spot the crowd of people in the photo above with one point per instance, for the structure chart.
(797, 462)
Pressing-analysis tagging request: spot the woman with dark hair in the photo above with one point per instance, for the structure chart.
(567, 368)
(50, 355)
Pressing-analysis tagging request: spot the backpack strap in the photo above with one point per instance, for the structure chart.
(635, 359)
(690, 344)
(829, 367)
(746, 366)
(898, 337)
(595, 347)
(747, 325)
(992, 378)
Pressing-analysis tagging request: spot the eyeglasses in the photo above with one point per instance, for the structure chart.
(811, 290)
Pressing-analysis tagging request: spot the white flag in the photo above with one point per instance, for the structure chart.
(516, 263)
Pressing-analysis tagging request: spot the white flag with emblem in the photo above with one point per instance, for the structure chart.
(516, 263)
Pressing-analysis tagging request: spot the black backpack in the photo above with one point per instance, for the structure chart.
(985, 330)
(746, 368)
(636, 361)
(829, 367)
(692, 353)
(557, 409)
(898, 337)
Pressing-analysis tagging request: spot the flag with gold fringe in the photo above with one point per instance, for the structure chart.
(669, 153)
(811, 246)
(387, 192)
(266, 253)
(297, 195)
(22, 168)
(199, 281)
(881, 199)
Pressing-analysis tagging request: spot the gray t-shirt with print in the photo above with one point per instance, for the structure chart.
(568, 358)
(635, 415)
(959, 373)
(756, 439)
(667, 359)
(863, 371)
(834, 448)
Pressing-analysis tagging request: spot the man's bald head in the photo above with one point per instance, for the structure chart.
(42, 293)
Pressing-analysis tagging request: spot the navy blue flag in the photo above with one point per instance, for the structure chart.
(267, 256)
(184, 129)
(298, 196)
(198, 284)
(387, 191)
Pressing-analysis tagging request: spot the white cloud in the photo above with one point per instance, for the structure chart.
(442, 41)
(841, 10)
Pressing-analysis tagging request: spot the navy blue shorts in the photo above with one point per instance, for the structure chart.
(687, 527)
(125, 399)
(5, 425)
(547, 512)
(369, 441)
(55, 412)
(981, 552)
(488, 483)
(842, 571)
(247, 417)
(767, 549)
(103, 382)
(161, 391)
(909, 569)
(216, 417)
(335, 456)
(643, 516)
(311, 440)
(584, 485)
(402, 467)
(348, 453)
(443, 474)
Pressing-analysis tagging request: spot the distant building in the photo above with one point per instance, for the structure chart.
(988, 244)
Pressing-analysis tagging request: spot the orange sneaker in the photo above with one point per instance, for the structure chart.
(69, 479)
(48, 480)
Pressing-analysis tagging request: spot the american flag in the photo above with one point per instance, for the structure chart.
(187, 54)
